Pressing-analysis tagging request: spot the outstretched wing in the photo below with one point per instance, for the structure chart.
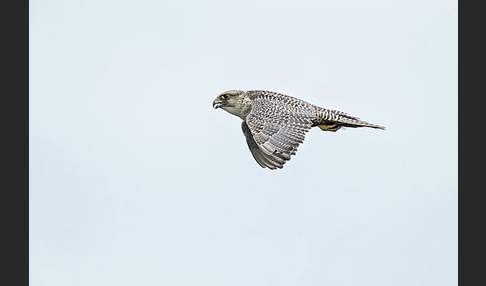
(276, 130)
(263, 159)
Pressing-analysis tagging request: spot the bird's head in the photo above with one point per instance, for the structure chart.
(227, 99)
(231, 101)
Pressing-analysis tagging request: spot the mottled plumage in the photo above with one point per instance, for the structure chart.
(275, 124)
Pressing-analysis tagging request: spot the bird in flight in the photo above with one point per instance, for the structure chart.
(274, 124)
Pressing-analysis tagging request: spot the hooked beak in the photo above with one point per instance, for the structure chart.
(216, 104)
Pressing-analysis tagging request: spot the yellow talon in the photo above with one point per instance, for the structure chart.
(329, 127)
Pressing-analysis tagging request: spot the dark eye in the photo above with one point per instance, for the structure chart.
(224, 96)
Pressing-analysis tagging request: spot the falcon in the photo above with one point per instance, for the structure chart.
(274, 124)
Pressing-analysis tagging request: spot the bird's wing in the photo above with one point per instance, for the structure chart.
(263, 159)
(277, 130)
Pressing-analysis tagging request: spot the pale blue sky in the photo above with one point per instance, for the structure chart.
(136, 180)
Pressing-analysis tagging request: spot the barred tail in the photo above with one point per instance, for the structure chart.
(333, 120)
